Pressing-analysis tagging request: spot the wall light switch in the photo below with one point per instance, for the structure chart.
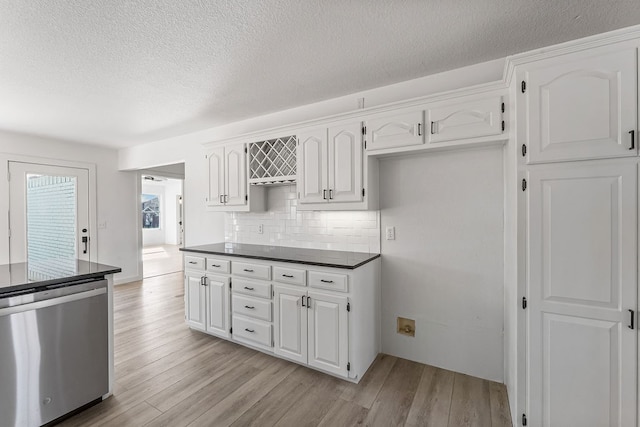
(391, 233)
(260, 229)
(102, 225)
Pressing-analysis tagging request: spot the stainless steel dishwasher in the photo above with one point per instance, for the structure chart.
(53, 351)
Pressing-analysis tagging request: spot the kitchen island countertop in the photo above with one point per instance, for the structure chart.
(318, 257)
(24, 276)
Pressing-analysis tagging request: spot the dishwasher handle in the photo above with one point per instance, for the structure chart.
(51, 302)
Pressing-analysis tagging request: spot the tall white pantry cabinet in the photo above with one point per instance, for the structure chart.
(576, 137)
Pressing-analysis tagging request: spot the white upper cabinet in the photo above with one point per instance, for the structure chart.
(330, 167)
(236, 174)
(228, 189)
(345, 163)
(579, 106)
(462, 120)
(216, 161)
(395, 130)
(313, 172)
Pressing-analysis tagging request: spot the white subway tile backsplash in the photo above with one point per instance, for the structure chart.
(284, 225)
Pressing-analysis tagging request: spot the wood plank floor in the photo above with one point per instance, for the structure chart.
(168, 375)
(161, 259)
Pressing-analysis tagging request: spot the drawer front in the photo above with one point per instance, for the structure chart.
(253, 330)
(292, 276)
(256, 271)
(332, 281)
(252, 307)
(218, 266)
(194, 262)
(256, 289)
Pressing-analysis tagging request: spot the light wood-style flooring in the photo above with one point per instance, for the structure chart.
(168, 375)
(161, 259)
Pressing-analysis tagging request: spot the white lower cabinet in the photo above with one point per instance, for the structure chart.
(312, 328)
(194, 300)
(332, 325)
(291, 323)
(328, 333)
(217, 292)
(206, 299)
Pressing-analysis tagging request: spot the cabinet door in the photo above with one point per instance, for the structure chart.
(464, 120)
(396, 130)
(312, 156)
(194, 300)
(580, 106)
(236, 175)
(582, 285)
(290, 324)
(215, 160)
(217, 294)
(345, 163)
(328, 333)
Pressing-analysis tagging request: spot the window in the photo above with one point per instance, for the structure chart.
(150, 211)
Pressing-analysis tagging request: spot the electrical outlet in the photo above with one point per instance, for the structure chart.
(102, 225)
(391, 233)
(260, 228)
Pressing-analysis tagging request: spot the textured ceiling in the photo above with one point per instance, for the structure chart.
(123, 72)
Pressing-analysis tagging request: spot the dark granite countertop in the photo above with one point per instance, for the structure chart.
(22, 276)
(325, 258)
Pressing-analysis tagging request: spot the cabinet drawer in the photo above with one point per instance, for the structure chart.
(194, 262)
(252, 307)
(332, 281)
(217, 265)
(253, 330)
(291, 276)
(256, 271)
(256, 289)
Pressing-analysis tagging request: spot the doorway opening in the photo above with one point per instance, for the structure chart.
(161, 220)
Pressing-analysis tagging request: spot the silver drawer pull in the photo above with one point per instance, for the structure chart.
(248, 288)
(249, 307)
(326, 281)
(193, 262)
(215, 265)
(249, 330)
(290, 276)
(248, 270)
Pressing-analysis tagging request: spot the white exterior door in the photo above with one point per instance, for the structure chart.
(581, 106)
(395, 130)
(312, 156)
(217, 297)
(290, 324)
(236, 176)
(194, 296)
(328, 333)
(216, 177)
(582, 289)
(49, 215)
(345, 163)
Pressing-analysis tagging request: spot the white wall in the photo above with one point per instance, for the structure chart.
(117, 205)
(445, 268)
(202, 226)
